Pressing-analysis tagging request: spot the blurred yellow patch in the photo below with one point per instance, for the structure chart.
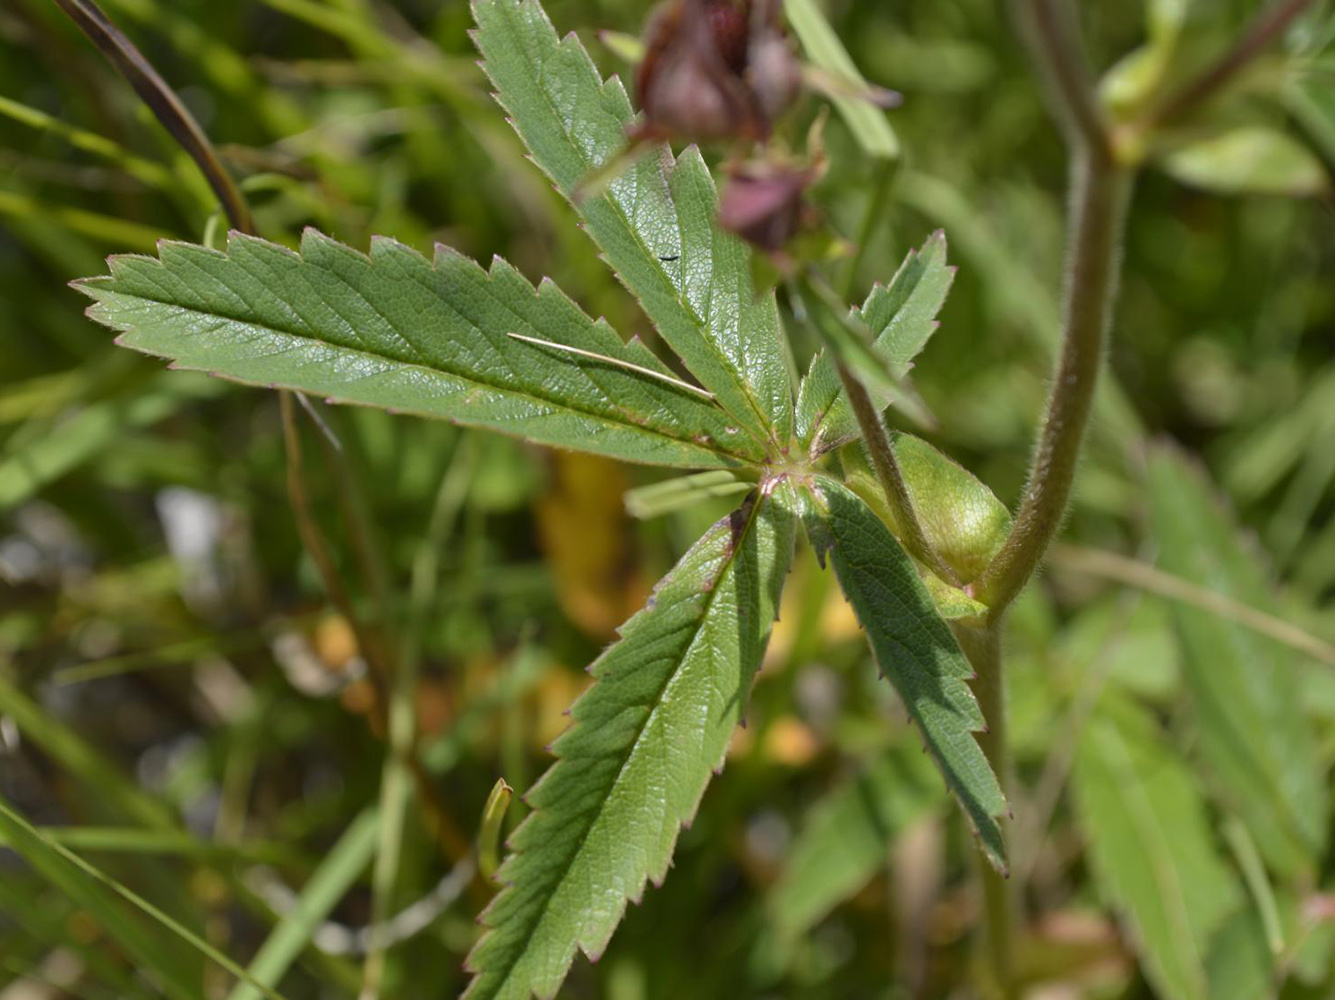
(585, 534)
(837, 620)
(742, 743)
(790, 741)
(834, 621)
(334, 642)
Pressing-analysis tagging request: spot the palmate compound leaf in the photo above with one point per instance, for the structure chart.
(913, 646)
(398, 331)
(901, 317)
(643, 743)
(655, 221)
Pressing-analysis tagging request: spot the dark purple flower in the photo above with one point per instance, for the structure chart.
(764, 204)
(714, 70)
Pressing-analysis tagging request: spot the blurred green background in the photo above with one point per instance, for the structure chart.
(173, 680)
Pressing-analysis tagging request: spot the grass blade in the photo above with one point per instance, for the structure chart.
(93, 889)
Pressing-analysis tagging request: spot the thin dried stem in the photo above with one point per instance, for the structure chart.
(1151, 579)
(313, 540)
(609, 360)
(163, 102)
(452, 842)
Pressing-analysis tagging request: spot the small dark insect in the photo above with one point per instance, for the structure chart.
(669, 260)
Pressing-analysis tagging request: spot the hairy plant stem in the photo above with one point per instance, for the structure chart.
(1099, 196)
(1100, 190)
(982, 647)
(892, 480)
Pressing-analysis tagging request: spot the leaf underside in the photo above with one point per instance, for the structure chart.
(642, 746)
(398, 331)
(913, 646)
(902, 318)
(654, 223)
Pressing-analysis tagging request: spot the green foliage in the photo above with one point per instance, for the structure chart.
(48, 456)
(1136, 77)
(1239, 965)
(1310, 97)
(823, 47)
(654, 224)
(901, 317)
(339, 870)
(848, 340)
(644, 741)
(960, 516)
(1151, 846)
(166, 730)
(846, 839)
(447, 339)
(1249, 160)
(398, 331)
(1244, 687)
(913, 647)
(106, 899)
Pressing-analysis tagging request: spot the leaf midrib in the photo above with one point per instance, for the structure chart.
(696, 320)
(602, 418)
(737, 540)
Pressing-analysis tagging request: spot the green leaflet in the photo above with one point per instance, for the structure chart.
(1150, 846)
(395, 330)
(654, 224)
(642, 745)
(902, 316)
(844, 335)
(913, 646)
(1249, 159)
(846, 837)
(1244, 688)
